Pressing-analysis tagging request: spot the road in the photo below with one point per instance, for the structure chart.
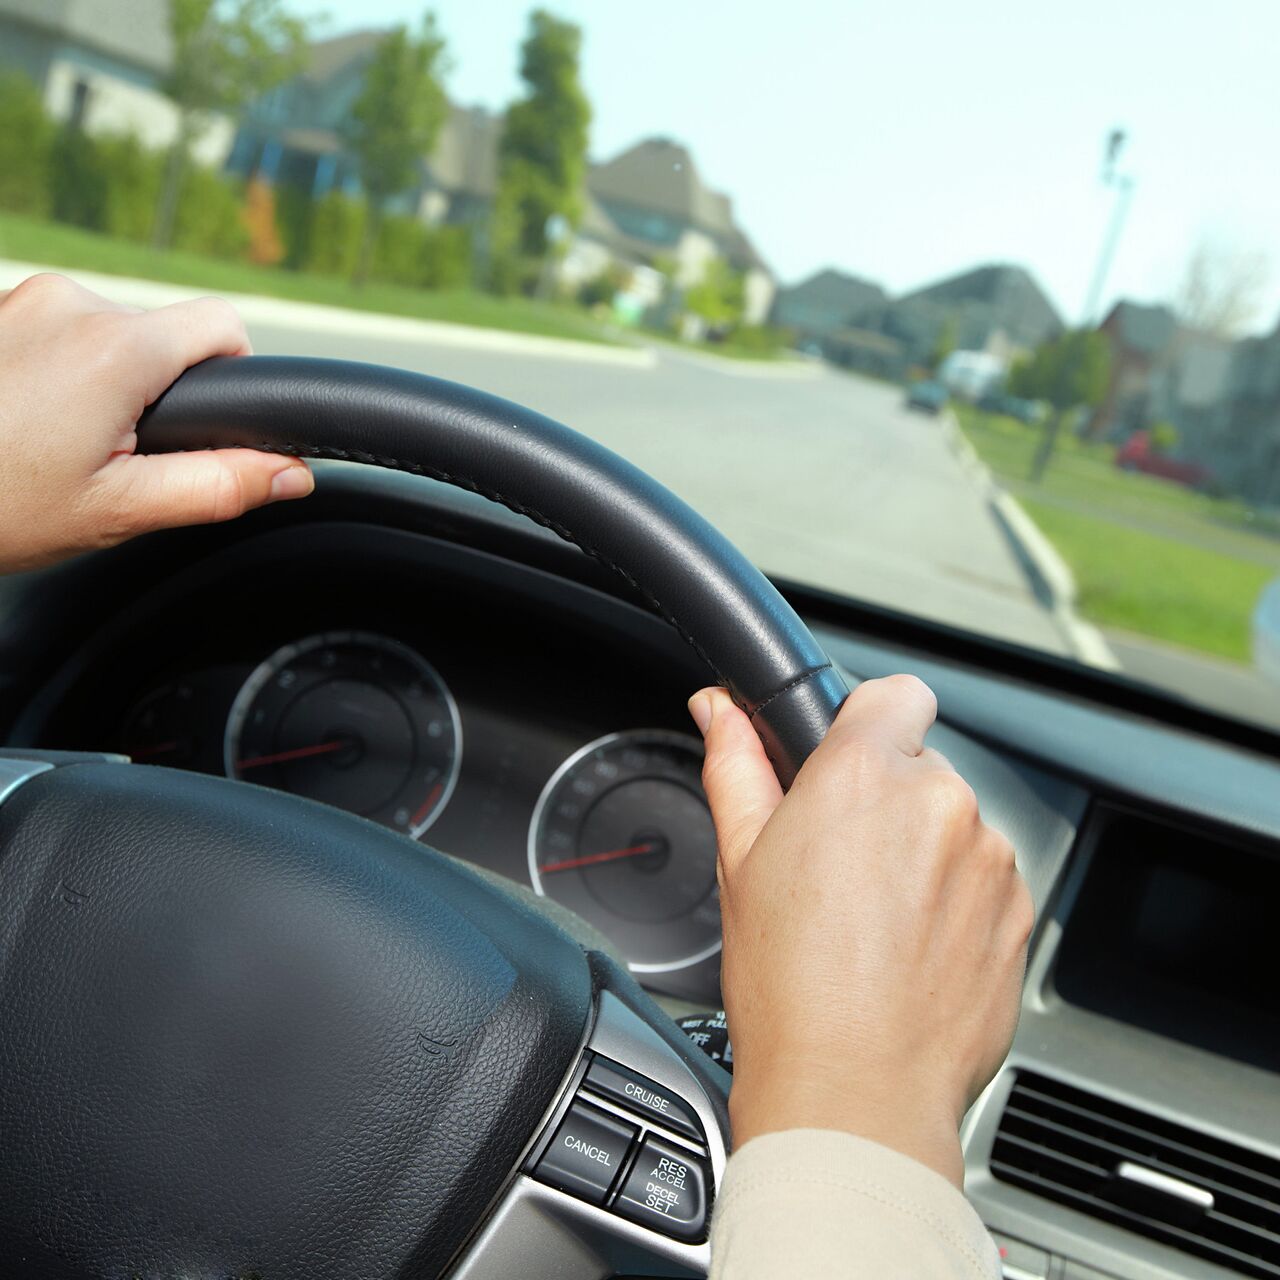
(817, 476)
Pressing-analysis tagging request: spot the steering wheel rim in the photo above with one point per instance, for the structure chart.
(147, 1127)
(749, 637)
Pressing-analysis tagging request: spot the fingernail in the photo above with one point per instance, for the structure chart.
(700, 710)
(292, 482)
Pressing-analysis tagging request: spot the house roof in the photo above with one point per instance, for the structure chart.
(1145, 329)
(328, 58)
(1008, 296)
(837, 289)
(659, 174)
(137, 33)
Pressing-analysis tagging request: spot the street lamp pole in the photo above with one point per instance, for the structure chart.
(1122, 184)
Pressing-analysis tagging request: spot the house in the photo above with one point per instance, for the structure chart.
(99, 65)
(1224, 399)
(650, 201)
(826, 303)
(646, 205)
(998, 308)
(1141, 337)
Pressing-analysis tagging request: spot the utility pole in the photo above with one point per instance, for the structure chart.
(1122, 184)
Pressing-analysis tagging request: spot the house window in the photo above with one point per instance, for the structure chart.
(79, 104)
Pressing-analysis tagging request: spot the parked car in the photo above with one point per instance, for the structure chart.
(927, 397)
(1139, 454)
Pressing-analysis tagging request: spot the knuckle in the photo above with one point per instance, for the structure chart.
(43, 287)
(912, 689)
(221, 314)
(956, 797)
(1021, 913)
(225, 494)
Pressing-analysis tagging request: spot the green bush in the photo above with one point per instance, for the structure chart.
(398, 252)
(133, 186)
(210, 215)
(762, 339)
(295, 215)
(79, 180)
(447, 258)
(26, 145)
(409, 252)
(337, 225)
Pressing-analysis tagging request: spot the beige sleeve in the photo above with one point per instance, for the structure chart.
(815, 1203)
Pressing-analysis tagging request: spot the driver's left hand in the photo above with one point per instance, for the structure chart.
(76, 372)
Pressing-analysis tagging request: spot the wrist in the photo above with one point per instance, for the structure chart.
(905, 1119)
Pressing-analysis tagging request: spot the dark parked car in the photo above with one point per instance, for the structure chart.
(927, 397)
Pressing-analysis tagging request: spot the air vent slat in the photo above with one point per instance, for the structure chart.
(1105, 1120)
(1224, 1254)
(1066, 1144)
(1118, 1151)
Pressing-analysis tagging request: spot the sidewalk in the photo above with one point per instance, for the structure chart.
(315, 318)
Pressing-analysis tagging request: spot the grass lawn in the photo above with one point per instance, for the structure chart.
(53, 244)
(1148, 556)
(1156, 586)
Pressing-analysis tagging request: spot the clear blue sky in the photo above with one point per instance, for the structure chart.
(906, 139)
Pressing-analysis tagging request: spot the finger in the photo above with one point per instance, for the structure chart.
(896, 710)
(741, 787)
(185, 333)
(141, 494)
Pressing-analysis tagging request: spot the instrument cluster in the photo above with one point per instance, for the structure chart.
(618, 828)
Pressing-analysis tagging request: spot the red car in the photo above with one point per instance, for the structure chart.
(1137, 454)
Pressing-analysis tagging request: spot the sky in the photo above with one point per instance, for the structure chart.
(904, 140)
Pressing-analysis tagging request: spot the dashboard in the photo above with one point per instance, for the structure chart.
(457, 711)
(440, 666)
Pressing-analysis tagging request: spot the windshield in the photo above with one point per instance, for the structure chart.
(970, 311)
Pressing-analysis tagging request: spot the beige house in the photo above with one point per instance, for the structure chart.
(99, 64)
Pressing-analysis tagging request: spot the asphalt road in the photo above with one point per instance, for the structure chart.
(817, 476)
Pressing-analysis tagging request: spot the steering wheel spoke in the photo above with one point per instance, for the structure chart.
(622, 1175)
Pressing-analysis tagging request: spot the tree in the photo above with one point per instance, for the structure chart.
(1070, 372)
(26, 146)
(1223, 288)
(718, 298)
(225, 52)
(395, 121)
(542, 161)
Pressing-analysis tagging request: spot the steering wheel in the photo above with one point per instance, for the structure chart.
(248, 1035)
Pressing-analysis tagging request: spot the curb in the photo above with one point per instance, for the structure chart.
(780, 368)
(1050, 576)
(317, 317)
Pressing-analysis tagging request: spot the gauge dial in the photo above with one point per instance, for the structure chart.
(161, 729)
(622, 835)
(355, 720)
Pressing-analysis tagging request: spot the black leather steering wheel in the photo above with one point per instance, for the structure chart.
(245, 1034)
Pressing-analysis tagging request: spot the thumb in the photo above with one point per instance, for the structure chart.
(741, 786)
(139, 494)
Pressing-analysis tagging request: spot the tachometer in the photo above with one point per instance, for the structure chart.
(622, 835)
(354, 719)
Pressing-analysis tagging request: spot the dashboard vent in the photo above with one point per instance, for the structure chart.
(1162, 1180)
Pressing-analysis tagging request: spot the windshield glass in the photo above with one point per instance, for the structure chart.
(970, 311)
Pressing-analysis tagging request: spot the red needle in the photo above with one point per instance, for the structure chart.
(428, 804)
(160, 749)
(298, 753)
(590, 859)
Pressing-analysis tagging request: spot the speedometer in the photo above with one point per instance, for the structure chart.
(353, 719)
(622, 835)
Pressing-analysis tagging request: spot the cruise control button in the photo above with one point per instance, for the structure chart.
(667, 1191)
(625, 1087)
(585, 1155)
